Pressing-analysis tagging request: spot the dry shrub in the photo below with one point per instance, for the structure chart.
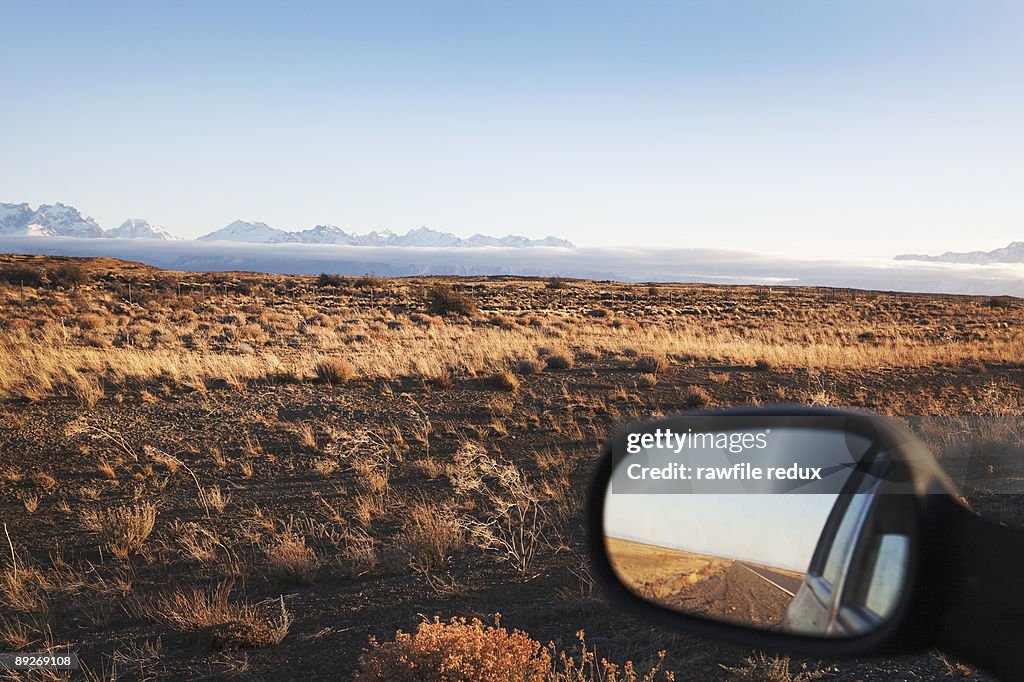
(651, 363)
(216, 499)
(647, 380)
(122, 529)
(760, 666)
(24, 589)
(443, 300)
(429, 536)
(530, 366)
(463, 651)
(358, 555)
(334, 371)
(696, 396)
(505, 381)
(228, 624)
(560, 361)
(456, 650)
(43, 480)
(324, 466)
(292, 561)
(91, 321)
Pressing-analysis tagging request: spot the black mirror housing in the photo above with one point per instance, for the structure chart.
(926, 511)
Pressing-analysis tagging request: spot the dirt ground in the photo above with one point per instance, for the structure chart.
(318, 507)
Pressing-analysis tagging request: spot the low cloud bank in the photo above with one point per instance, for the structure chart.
(717, 266)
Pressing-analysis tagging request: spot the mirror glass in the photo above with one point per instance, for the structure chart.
(800, 530)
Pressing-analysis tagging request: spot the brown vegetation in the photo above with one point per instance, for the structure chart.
(245, 460)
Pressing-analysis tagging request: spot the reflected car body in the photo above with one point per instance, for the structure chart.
(855, 577)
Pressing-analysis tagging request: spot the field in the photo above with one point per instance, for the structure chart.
(211, 475)
(660, 573)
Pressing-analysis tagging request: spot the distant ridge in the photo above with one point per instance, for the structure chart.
(61, 220)
(1013, 253)
(261, 233)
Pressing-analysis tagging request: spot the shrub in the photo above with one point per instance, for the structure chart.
(648, 380)
(505, 380)
(530, 366)
(445, 301)
(561, 361)
(334, 371)
(429, 536)
(123, 529)
(651, 364)
(763, 365)
(1000, 302)
(21, 275)
(91, 321)
(556, 283)
(68, 276)
(696, 396)
(228, 624)
(368, 282)
(292, 561)
(329, 281)
(456, 650)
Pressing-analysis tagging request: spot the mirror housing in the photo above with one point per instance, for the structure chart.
(914, 622)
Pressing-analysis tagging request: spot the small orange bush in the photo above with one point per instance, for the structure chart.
(456, 650)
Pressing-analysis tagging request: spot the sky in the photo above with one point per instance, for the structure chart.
(774, 530)
(858, 127)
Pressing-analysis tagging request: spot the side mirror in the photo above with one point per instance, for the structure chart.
(817, 532)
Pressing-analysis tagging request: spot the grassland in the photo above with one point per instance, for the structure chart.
(241, 474)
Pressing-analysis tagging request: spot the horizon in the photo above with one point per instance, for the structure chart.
(857, 129)
(868, 249)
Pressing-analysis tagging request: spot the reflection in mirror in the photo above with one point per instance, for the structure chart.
(827, 564)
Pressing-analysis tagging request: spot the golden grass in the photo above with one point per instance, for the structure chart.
(122, 529)
(124, 347)
(229, 624)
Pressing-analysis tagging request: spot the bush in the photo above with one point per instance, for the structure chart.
(561, 361)
(21, 275)
(696, 396)
(68, 276)
(505, 380)
(291, 561)
(334, 371)
(368, 282)
(456, 650)
(124, 529)
(531, 366)
(443, 300)
(651, 364)
(556, 283)
(328, 281)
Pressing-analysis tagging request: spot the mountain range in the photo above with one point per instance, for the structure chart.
(61, 220)
(1012, 253)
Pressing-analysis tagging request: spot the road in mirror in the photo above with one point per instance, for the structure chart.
(820, 563)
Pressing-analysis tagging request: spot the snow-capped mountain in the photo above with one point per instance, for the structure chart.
(252, 233)
(321, 234)
(60, 220)
(260, 233)
(15, 218)
(137, 228)
(1013, 253)
(49, 220)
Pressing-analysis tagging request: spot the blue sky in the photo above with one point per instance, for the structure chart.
(831, 128)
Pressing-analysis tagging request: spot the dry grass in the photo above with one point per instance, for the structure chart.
(335, 371)
(228, 624)
(291, 561)
(431, 534)
(459, 452)
(122, 530)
